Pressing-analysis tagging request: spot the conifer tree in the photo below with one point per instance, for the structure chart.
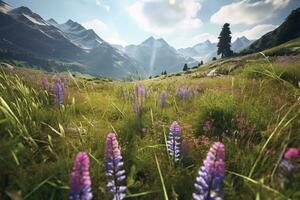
(185, 67)
(224, 44)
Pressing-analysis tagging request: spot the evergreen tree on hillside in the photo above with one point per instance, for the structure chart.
(224, 44)
(185, 67)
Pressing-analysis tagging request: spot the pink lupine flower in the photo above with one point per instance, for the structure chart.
(80, 181)
(291, 153)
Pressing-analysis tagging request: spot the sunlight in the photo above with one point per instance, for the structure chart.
(172, 2)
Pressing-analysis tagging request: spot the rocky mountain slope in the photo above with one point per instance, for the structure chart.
(290, 29)
(27, 35)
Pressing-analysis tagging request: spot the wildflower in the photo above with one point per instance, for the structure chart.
(140, 91)
(184, 93)
(174, 141)
(137, 108)
(114, 167)
(44, 83)
(286, 165)
(59, 90)
(211, 174)
(163, 98)
(291, 153)
(80, 181)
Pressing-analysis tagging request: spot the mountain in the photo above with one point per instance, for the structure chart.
(75, 32)
(203, 51)
(156, 55)
(288, 30)
(52, 22)
(26, 36)
(207, 50)
(119, 47)
(240, 43)
(23, 30)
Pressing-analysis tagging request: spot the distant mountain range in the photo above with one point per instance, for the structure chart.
(207, 50)
(203, 51)
(290, 29)
(156, 55)
(24, 35)
(240, 43)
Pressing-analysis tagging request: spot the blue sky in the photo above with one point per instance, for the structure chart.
(181, 23)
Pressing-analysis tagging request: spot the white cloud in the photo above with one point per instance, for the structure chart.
(104, 32)
(101, 4)
(203, 37)
(255, 32)
(97, 25)
(248, 12)
(115, 38)
(161, 16)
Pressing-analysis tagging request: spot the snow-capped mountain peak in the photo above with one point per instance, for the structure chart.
(83, 50)
(204, 51)
(86, 39)
(240, 43)
(149, 41)
(156, 55)
(25, 15)
(156, 43)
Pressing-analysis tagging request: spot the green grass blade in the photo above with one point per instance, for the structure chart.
(140, 194)
(161, 178)
(258, 183)
(37, 187)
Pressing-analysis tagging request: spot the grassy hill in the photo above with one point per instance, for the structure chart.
(252, 106)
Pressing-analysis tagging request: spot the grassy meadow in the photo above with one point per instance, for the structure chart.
(253, 109)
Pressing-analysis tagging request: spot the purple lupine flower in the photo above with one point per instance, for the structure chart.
(185, 148)
(137, 107)
(211, 174)
(163, 95)
(44, 83)
(140, 91)
(114, 167)
(80, 182)
(174, 141)
(58, 90)
(286, 166)
(184, 93)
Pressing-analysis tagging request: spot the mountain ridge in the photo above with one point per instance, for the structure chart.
(288, 30)
(156, 55)
(206, 50)
(27, 35)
